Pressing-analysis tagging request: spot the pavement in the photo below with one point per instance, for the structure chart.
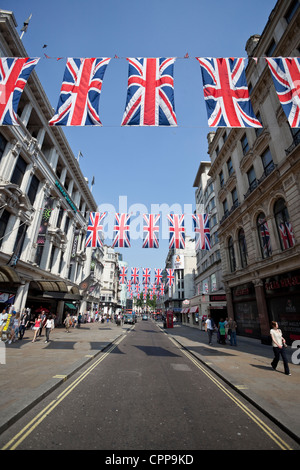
(30, 371)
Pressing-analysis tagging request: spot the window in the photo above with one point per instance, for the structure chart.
(245, 144)
(235, 199)
(59, 218)
(32, 191)
(243, 248)
(267, 161)
(221, 176)
(231, 255)
(291, 11)
(263, 235)
(19, 171)
(3, 143)
(225, 207)
(3, 224)
(18, 247)
(229, 167)
(284, 226)
(252, 179)
(271, 48)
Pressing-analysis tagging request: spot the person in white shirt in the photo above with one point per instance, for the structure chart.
(49, 325)
(279, 344)
(209, 327)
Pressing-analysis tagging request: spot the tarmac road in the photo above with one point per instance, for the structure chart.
(147, 392)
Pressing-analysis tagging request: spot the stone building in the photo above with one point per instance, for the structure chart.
(256, 174)
(44, 203)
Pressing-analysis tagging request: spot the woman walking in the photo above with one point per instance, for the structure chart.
(36, 327)
(49, 326)
(279, 344)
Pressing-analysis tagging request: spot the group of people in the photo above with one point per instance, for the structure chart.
(226, 329)
(13, 324)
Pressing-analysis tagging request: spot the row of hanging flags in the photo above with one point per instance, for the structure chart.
(150, 92)
(121, 231)
(156, 288)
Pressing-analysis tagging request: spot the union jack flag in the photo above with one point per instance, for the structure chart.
(265, 237)
(80, 93)
(170, 277)
(137, 289)
(150, 93)
(121, 231)
(286, 78)
(202, 231)
(287, 235)
(162, 289)
(176, 231)
(226, 93)
(14, 73)
(151, 295)
(157, 276)
(135, 273)
(146, 275)
(151, 230)
(94, 230)
(123, 274)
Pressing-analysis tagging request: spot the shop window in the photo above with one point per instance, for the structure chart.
(243, 248)
(284, 226)
(231, 255)
(263, 235)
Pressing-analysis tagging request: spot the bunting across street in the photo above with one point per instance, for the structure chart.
(176, 231)
(150, 91)
(151, 230)
(202, 232)
(94, 230)
(121, 231)
(135, 275)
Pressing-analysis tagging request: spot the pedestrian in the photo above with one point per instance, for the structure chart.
(24, 320)
(44, 318)
(232, 326)
(15, 328)
(79, 319)
(210, 327)
(222, 331)
(49, 327)
(36, 327)
(3, 318)
(279, 345)
(68, 322)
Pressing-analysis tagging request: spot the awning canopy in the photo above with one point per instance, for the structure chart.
(50, 286)
(185, 310)
(9, 274)
(71, 306)
(194, 309)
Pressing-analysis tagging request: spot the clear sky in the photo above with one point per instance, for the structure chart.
(143, 166)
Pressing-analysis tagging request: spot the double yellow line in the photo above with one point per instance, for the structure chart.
(32, 425)
(266, 429)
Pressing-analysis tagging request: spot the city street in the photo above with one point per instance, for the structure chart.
(143, 393)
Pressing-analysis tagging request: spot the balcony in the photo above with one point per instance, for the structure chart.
(255, 183)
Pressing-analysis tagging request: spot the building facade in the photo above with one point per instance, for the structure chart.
(256, 174)
(44, 203)
(210, 297)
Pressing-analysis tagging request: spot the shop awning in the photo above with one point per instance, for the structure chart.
(194, 309)
(71, 306)
(185, 310)
(9, 274)
(50, 286)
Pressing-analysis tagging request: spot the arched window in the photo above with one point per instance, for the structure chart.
(243, 248)
(231, 255)
(263, 235)
(284, 226)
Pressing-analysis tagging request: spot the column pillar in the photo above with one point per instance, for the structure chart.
(262, 311)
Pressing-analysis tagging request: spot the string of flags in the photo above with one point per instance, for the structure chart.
(121, 231)
(150, 91)
(156, 288)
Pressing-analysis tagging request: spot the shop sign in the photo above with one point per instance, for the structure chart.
(242, 291)
(218, 298)
(286, 282)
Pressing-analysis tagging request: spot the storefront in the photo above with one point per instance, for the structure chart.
(218, 307)
(245, 310)
(283, 302)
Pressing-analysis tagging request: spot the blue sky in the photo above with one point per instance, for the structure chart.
(146, 165)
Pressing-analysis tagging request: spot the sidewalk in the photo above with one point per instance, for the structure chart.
(247, 368)
(32, 370)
